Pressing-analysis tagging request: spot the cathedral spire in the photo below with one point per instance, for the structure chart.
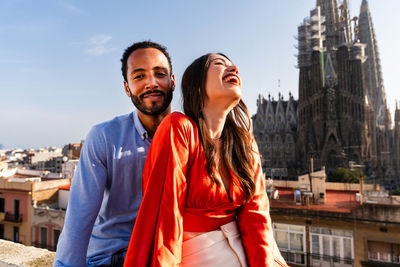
(329, 9)
(356, 30)
(344, 25)
(372, 66)
(346, 20)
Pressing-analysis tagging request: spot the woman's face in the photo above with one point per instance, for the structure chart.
(223, 82)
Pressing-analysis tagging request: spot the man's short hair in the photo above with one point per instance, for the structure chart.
(138, 45)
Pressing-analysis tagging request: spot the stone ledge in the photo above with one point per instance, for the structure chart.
(14, 255)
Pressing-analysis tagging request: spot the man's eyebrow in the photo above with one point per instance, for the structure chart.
(155, 68)
(160, 68)
(136, 70)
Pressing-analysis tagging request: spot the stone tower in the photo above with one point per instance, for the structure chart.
(372, 66)
(396, 143)
(335, 110)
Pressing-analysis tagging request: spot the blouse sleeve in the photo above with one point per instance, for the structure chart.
(255, 226)
(157, 235)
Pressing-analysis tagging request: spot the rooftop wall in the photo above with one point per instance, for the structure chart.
(44, 185)
(6, 184)
(330, 186)
(23, 186)
(13, 254)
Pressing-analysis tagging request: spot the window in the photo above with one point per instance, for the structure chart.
(2, 204)
(291, 242)
(16, 234)
(382, 251)
(334, 246)
(43, 237)
(56, 235)
(16, 209)
(1, 231)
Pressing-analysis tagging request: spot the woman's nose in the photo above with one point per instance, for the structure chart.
(233, 68)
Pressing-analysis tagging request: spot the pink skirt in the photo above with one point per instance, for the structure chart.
(217, 248)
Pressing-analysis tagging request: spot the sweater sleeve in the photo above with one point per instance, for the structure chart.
(157, 236)
(255, 226)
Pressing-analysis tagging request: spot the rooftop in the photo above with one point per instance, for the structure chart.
(338, 201)
(335, 201)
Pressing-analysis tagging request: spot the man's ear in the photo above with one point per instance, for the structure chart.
(127, 90)
(173, 82)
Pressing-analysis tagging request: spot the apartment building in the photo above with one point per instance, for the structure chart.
(334, 224)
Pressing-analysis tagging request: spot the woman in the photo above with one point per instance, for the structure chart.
(203, 188)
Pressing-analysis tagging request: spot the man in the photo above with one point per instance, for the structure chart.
(107, 187)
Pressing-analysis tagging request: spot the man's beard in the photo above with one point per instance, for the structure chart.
(154, 110)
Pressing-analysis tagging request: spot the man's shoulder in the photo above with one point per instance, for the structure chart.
(115, 123)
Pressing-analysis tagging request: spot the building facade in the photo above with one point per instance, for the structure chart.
(47, 224)
(347, 228)
(275, 129)
(19, 191)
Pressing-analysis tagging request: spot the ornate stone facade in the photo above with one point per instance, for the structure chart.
(275, 129)
(341, 115)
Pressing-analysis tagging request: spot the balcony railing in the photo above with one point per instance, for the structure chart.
(298, 258)
(331, 261)
(384, 257)
(16, 218)
(311, 259)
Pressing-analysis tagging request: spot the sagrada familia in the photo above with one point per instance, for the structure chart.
(341, 118)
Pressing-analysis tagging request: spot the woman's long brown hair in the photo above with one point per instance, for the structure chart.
(237, 150)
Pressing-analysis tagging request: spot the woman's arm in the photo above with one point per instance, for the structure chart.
(157, 236)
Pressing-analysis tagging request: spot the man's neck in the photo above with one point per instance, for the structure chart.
(151, 122)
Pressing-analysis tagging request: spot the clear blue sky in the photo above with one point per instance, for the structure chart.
(60, 59)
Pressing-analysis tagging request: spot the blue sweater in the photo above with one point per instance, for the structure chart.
(105, 194)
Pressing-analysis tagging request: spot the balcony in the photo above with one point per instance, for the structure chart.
(373, 263)
(12, 218)
(382, 259)
(298, 258)
(329, 261)
(311, 259)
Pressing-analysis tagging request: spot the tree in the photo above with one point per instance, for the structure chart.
(396, 192)
(343, 175)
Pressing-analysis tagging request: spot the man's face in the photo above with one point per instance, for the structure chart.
(150, 84)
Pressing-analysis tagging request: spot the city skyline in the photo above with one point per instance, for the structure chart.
(60, 69)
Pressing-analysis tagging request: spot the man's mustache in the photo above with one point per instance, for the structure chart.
(152, 92)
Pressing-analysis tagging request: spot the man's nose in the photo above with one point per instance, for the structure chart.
(151, 82)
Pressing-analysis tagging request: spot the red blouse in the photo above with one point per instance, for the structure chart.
(180, 196)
